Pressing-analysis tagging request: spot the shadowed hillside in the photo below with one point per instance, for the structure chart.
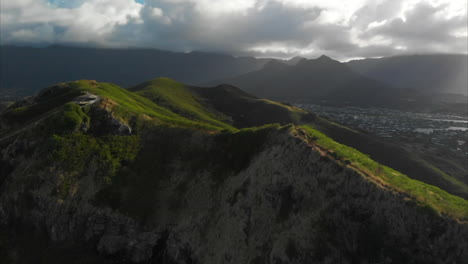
(25, 70)
(430, 74)
(320, 80)
(223, 103)
(169, 173)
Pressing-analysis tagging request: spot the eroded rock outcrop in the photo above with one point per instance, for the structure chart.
(105, 121)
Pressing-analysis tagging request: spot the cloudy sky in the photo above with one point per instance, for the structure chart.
(262, 28)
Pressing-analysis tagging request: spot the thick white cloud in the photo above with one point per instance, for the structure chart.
(424, 28)
(280, 28)
(91, 22)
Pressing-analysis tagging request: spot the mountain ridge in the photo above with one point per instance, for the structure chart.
(148, 175)
(217, 108)
(316, 80)
(430, 73)
(22, 71)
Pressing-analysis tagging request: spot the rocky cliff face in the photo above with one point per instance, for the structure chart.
(258, 196)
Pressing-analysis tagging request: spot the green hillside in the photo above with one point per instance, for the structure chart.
(130, 175)
(166, 102)
(427, 195)
(178, 98)
(417, 167)
(223, 106)
(125, 105)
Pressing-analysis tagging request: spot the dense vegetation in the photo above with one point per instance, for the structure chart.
(75, 152)
(164, 151)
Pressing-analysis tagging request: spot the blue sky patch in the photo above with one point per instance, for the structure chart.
(66, 3)
(75, 3)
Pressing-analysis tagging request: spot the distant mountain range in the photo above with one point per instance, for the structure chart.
(409, 82)
(24, 70)
(319, 80)
(425, 73)
(327, 81)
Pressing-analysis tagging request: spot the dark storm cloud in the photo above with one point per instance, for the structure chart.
(278, 28)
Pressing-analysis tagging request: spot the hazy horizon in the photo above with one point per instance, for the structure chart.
(87, 46)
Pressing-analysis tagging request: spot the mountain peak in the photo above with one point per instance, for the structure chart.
(320, 61)
(325, 58)
(295, 60)
(274, 64)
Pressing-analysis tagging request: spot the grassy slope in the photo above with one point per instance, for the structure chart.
(127, 105)
(45, 102)
(462, 186)
(130, 104)
(393, 156)
(177, 97)
(223, 106)
(427, 195)
(245, 110)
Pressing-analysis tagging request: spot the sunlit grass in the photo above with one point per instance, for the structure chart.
(130, 104)
(174, 95)
(425, 194)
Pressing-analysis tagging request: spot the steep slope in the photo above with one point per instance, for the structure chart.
(224, 107)
(22, 71)
(105, 175)
(318, 80)
(228, 104)
(178, 98)
(423, 168)
(219, 105)
(130, 107)
(430, 74)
